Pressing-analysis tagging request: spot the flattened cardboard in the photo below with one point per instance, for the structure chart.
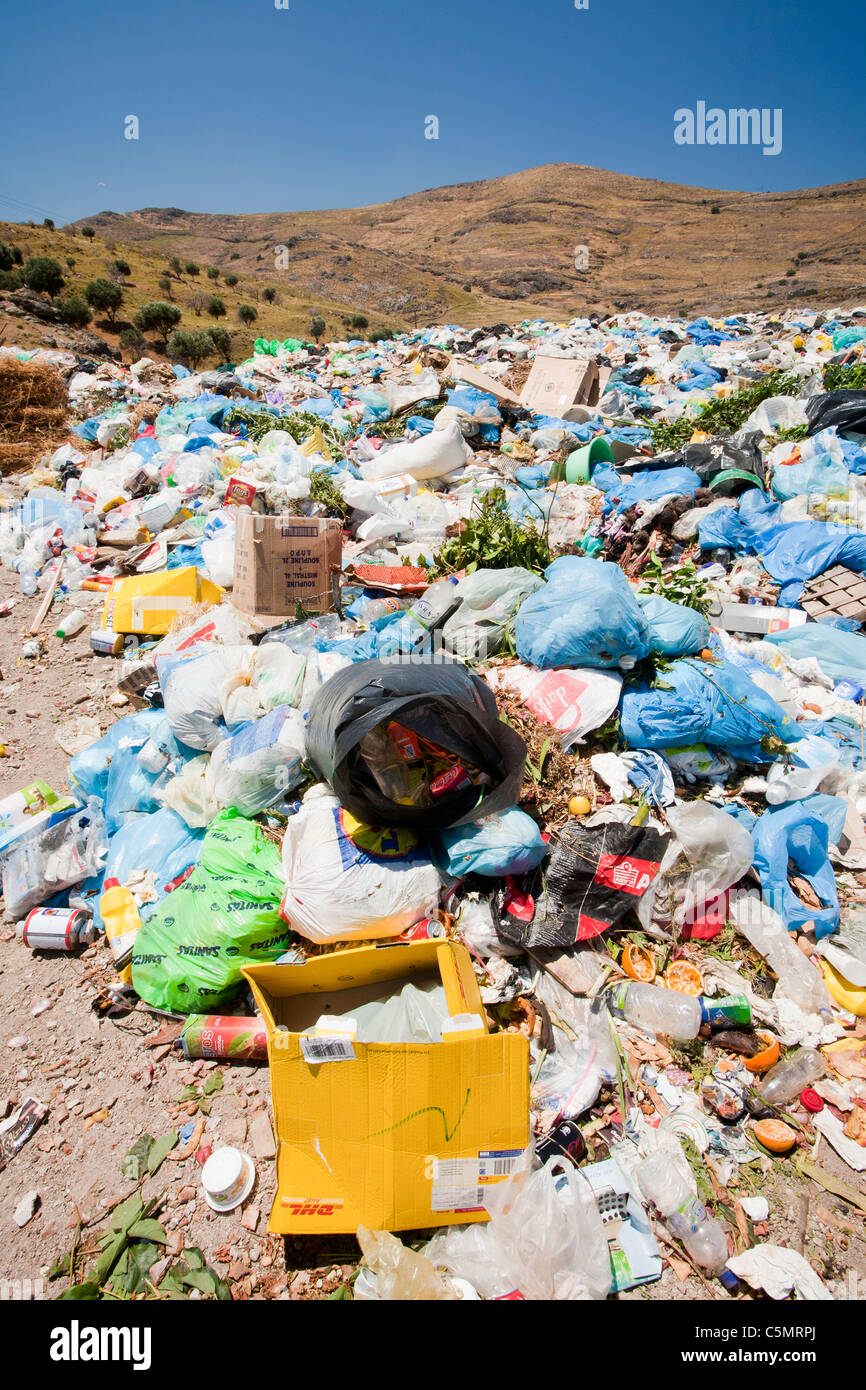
(555, 384)
(463, 371)
(397, 1136)
(283, 560)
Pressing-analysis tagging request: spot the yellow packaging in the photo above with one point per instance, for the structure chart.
(394, 1136)
(147, 604)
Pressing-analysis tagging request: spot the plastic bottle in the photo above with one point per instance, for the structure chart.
(658, 1010)
(71, 624)
(436, 604)
(785, 1081)
(122, 920)
(28, 582)
(685, 1214)
(764, 929)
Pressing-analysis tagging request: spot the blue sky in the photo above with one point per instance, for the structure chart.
(244, 107)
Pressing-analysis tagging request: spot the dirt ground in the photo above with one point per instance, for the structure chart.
(105, 1087)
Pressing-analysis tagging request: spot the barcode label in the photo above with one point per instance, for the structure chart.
(332, 1049)
(497, 1163)
(455, 1185)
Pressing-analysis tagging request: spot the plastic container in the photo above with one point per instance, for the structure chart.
(763, 928)
(71, 624)
(784, 1082)
(686, 1216)
(122, 920)
(436, 604)
(658, 1010)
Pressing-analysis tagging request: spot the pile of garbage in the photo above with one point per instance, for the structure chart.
(495, 771)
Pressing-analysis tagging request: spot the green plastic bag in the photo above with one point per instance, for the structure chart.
(189, 956)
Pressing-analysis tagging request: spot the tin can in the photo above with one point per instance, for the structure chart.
(105, 642)
(565, 1140)
(224, 1037)
(732, 1011)
(55, 928)
(428, 929)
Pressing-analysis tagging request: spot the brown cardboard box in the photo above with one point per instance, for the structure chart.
(464, 371)
(557, 383)
(283, 560)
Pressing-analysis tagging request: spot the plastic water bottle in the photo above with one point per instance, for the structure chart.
(785, 1081)
(28, 582)
(436, 604)
(71, 624)
(764, 929)
(685, 1214)
(658, 1010)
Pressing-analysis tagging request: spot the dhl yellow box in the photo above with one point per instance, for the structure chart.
(147, 604)
(392, 1136)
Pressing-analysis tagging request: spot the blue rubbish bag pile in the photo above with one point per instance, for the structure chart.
(597, 720)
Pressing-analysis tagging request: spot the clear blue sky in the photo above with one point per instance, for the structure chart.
(244, 107)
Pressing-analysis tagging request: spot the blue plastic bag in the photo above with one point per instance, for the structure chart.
(674, 629)
(585, 615)
(702, 702)
(840, 654)
(650, 484)
(89, 769)
(820, 473)
(507, 843)
(800, 832)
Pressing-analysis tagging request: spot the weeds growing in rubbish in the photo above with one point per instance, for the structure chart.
(681, 584)
(324, 491)
(845, 378)
(299, 424)
(491, 539)
(724, 414)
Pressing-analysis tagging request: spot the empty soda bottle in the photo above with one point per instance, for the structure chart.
(685, 1214)
(785, 1081)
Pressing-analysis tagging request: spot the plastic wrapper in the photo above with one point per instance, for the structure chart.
(64, 854)
(507, 843)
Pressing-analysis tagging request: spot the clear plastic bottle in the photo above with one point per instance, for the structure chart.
(658, 1010)
(685, 1214)
(764, 929)
(784, 1082)
(436, 604)
(28, 581)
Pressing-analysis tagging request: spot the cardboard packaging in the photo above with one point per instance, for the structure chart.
(758, 618)
(283, 560)
(556, 384)
(394, 1136)
(464, 371)
(147, 604)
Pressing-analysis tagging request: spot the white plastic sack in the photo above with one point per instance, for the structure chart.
(348, 882)
(489, 600)
(574, 701)
(192, 690)
(433, 456)
(191, 793)
(545, 1239)
(259, 765)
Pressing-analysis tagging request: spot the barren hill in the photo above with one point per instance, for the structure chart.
(505, 247)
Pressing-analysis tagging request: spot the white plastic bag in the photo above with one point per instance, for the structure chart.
(489, 600)
(348, 882)
(545, 1239)
(574, 701)
(260, 764)
(193, 688)
(708, 853)
(191, 793)
(434, 455)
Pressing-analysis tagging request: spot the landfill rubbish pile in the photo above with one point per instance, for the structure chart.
(487, 776)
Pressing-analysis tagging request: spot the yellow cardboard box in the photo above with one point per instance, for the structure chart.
(148, 604)
(393, 1136)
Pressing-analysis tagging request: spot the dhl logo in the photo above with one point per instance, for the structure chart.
(313, 1206)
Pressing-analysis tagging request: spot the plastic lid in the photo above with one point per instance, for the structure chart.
(810, 1100)
(110, 883)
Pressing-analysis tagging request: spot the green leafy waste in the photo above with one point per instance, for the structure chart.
(727, 414)
(491, 539)
(845, 378)
(299, 424)
(680, 584)
(324, 491)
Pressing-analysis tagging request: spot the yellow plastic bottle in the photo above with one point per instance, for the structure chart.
(122, 921)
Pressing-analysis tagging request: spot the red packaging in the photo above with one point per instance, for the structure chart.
(240, 493)
(456, 779)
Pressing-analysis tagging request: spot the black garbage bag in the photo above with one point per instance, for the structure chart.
(436, 699)
(725, 464)
(595, 876)
(844, 409)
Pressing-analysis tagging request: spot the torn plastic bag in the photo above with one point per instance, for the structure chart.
(597, 873)
(261, 764)
(585, 615)
(507, 843)
(489, 601)
(574, 702)
(190, 794)
(674, 629)
(193, 689)
(711, 703)
(89, 769)
(161, 842)
(346, 881)
(66, 853)
(795, 837)
(545, 1239)
(440, 701)
(841, 655)
(189, 956)
(709, 852)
